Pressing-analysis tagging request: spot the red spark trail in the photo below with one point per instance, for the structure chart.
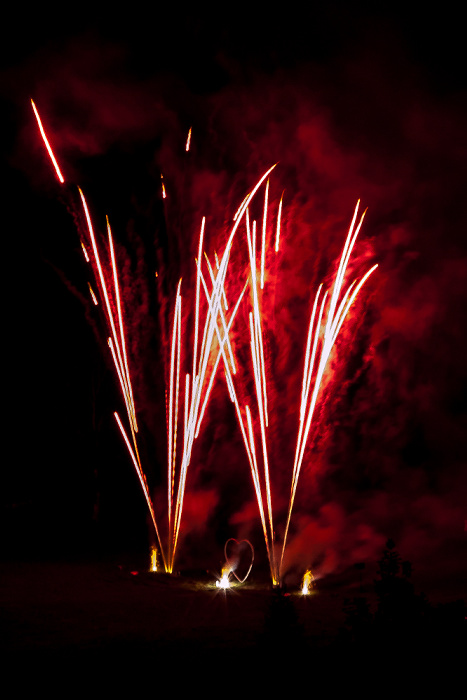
(47, 144)
(188, 140)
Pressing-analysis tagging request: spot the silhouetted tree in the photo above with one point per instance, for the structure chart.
(358, 620)
(405, 632)
(401, 614)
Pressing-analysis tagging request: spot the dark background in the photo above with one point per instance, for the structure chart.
(353, 104)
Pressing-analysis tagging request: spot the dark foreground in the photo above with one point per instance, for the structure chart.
(83, 619)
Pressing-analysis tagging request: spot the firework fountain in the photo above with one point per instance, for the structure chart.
(213, 321)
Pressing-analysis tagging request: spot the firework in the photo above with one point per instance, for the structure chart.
(324, 336)
(153, 566)
(188, 140)
(188, 393)
(328, 314)
(307, 582)
(109, 292)
(206, 354)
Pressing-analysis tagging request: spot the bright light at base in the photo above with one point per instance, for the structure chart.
(224, 581)
(153, 559)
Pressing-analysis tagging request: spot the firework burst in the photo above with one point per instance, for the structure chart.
(188, 392)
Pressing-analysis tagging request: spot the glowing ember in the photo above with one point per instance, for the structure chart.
(307, 582)
(188, 140)
(278, 225)
(153, 559)
(93, 296)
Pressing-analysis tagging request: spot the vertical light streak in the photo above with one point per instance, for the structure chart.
(257, 355)
(123, 352)
(309, 361)
(251, 239)
(85, 252)
(173, 406)
(188, 140)
(198, 274)
(187, 403)
(47, 144)
(153, 566)
(93, 296)
(263, 238)
(278, 225)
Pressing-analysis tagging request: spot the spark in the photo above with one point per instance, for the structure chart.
(198, 278)
(307, 582)
(263, 241)
(278, 225)
(188, 141)
(93, 296)
(85, 252)
(47, 144)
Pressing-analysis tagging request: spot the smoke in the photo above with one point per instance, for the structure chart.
(385, 456)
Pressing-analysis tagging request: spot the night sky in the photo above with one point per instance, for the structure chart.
(350, 105)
